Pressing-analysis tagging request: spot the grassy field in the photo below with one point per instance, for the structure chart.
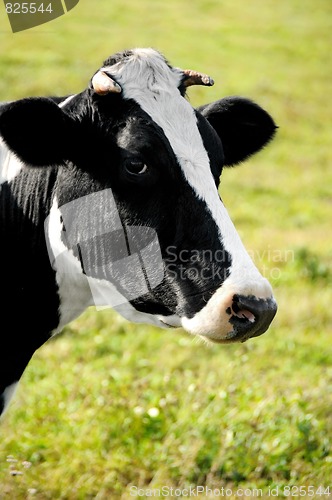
(109, 406)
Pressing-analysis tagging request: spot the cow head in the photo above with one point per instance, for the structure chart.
(136, 207)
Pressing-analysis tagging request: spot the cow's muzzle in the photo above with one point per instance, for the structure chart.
(233, 317)
(250, 317)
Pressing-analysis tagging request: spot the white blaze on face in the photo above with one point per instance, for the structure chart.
(146, 78)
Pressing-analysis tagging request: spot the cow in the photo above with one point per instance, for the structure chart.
(109, 198)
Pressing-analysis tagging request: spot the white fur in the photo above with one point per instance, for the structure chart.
(74, 290)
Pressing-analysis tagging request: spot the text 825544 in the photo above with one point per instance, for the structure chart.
(28, 8)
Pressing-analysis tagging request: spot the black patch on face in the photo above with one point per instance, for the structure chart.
(195, 263)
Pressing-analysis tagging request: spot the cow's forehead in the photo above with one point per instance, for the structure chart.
(144, 68)
(146, 77)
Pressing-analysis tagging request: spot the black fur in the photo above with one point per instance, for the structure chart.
(243, 126)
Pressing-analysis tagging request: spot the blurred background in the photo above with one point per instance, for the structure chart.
(108, 404)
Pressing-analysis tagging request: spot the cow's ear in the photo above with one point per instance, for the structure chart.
(243, 127)
(37, 131)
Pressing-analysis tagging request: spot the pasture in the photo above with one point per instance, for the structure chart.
(109, 406)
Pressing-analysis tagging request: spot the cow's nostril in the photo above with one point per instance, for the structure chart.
(250, 316)
(246, 315)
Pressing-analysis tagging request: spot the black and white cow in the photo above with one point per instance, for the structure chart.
(110, 198)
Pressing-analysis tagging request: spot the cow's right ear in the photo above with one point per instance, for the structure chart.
(242, 125)
(37, 131)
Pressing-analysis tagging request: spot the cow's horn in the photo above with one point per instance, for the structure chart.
(103, 84)
(194, 78)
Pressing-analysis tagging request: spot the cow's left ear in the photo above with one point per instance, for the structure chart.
(37, 131)
(243, 127)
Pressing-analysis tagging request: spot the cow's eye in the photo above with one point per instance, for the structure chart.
(136, 167)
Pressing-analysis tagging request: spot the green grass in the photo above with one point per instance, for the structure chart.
(108, 404)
